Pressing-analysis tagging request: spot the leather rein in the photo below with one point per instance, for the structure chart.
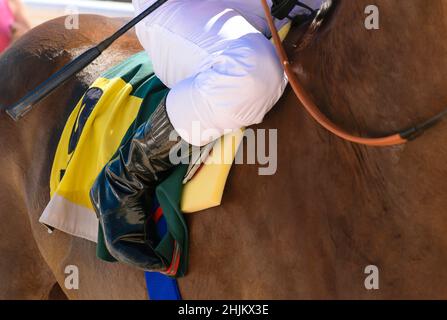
(398, 138)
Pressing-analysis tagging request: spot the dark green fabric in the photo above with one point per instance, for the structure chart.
(101, 250)
(138, 71)
(169, 194)
(135, 70)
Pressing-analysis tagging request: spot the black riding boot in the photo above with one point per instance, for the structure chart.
(122, 193)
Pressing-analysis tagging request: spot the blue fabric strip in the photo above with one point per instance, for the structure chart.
(159, 286)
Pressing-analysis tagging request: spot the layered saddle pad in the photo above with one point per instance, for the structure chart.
(108, 114)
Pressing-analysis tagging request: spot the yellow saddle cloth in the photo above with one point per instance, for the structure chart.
(107, 115)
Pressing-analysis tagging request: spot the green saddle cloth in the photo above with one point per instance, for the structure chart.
(173, 246)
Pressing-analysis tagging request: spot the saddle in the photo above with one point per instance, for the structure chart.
(108, 114)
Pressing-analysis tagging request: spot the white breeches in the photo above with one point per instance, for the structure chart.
(222, 70)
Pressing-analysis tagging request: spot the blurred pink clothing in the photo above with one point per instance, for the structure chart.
(6, 21)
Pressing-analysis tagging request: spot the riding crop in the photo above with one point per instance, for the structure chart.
(24, 105)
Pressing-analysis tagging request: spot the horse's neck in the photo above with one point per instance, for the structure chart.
(373, 83)
(379, 81)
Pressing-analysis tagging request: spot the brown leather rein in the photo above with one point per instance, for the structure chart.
(392, 140)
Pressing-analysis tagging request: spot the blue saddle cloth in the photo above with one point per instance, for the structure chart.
(160, 286)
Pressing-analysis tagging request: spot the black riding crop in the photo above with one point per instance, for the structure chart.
(19, 109)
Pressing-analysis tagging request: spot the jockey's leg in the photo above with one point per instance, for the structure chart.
(223, 72)
(237, 88)
(122, 193)
(224, 75)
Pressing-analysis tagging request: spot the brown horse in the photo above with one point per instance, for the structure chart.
(309, 231)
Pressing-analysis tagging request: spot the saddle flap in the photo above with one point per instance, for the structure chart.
(206, 188)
